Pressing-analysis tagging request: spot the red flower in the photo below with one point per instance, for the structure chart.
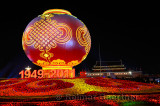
(11, 82)
(115, 83)
(42, 85)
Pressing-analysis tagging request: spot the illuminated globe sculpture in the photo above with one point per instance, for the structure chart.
(56, 40)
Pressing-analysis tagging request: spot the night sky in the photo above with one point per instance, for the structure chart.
(130, 33)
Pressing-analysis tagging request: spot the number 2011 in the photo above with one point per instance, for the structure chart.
(29, 74)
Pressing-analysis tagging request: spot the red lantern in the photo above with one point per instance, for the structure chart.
(56, 40)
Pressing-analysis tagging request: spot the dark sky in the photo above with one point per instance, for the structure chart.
(124, 31)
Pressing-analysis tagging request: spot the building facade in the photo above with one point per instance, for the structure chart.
(113, 69)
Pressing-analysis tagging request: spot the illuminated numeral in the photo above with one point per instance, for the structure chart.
(65, 73)
(27, 74)
(59, 73)
(72, 73)
(34, 74)
(22, 74)
(53, 73)
(40, 73)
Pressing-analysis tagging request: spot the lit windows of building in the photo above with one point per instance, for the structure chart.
(113, 69)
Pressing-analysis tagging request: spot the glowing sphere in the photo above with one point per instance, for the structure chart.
(56, 38)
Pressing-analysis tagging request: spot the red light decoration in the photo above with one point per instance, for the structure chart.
(56, 40)
(83, 74)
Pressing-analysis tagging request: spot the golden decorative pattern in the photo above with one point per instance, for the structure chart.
(83, 37)
(73, 63)
(46, 55)
(42, 63)
(46, 33)
(57, 11)
(57, 62)
(44, 16)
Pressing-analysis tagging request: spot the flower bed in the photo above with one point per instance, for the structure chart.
(44, 85)
(13, 91)
(4, 84)
(37, 87)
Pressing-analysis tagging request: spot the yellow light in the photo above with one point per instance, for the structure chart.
(57, 11)
(130, 72)
(46, 55)
(56, 67)
(28, 68)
